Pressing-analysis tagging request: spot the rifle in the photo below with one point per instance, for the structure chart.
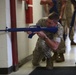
(72, 22)
(33, 29)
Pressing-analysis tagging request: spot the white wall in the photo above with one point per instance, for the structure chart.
(25, 45)
(21, 36)
(5, 41)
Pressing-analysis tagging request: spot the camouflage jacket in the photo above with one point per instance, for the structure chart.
(41, 46)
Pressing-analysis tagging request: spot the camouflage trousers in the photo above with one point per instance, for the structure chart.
(41, 51)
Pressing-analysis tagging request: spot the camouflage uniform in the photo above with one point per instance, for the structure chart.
(43, 50)
(67, 18)
(59, 57)
(63, 21)
(57, 8)
(68, 14)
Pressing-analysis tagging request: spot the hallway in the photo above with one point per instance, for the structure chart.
(15, 47)
(69, 61)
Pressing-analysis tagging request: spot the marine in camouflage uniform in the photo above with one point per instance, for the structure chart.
(58, 7)
(43, 50)
(68, 13)
(73, 21)
(68, 18)
(61, 4)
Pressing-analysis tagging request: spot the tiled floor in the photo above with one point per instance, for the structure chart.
(70, 59)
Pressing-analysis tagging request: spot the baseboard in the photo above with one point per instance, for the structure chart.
(6, 70)
(25, 60)
(15, 68)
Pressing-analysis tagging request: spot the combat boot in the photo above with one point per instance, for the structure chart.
(54, 56)
(72, 42)
(44, 59)
(49, 62)
(60, 57)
